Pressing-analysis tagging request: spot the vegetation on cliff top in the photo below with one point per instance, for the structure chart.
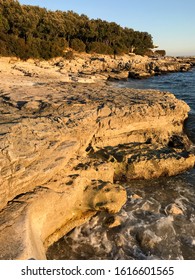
(30, 31)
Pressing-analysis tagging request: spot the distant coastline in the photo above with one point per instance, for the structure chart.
(94, 68)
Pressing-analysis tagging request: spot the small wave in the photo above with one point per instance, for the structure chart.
(157, 222)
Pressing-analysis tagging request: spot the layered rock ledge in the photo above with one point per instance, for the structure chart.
(90, 68)
(67, 147)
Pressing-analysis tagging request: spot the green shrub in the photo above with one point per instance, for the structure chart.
(160, 52)
(78, 45)
(69, 55)
(31, 31)
(98, 47)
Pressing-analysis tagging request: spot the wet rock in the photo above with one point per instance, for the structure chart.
(113, 221)
(136, 197)
(173, 209)
(148, 239)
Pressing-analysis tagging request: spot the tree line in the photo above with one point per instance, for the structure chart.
(33, 32)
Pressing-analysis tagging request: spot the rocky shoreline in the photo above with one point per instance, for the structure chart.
(66, 147)
(88, 68)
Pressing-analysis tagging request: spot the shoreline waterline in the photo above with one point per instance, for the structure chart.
(158, 220)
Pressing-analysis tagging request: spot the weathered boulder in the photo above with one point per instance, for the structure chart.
(33, 221)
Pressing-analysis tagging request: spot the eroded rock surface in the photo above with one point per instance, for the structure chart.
(66, 147)
(90, 68)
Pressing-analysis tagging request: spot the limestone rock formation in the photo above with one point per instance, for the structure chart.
(66, 147)
(89, 68)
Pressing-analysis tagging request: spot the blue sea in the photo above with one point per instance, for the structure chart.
(182, 84)
(147, 230)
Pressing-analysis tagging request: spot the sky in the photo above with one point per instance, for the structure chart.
(170, 22)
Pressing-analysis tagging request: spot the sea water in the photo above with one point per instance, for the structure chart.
(158, 220)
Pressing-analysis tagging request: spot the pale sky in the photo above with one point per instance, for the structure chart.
(170, 22)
